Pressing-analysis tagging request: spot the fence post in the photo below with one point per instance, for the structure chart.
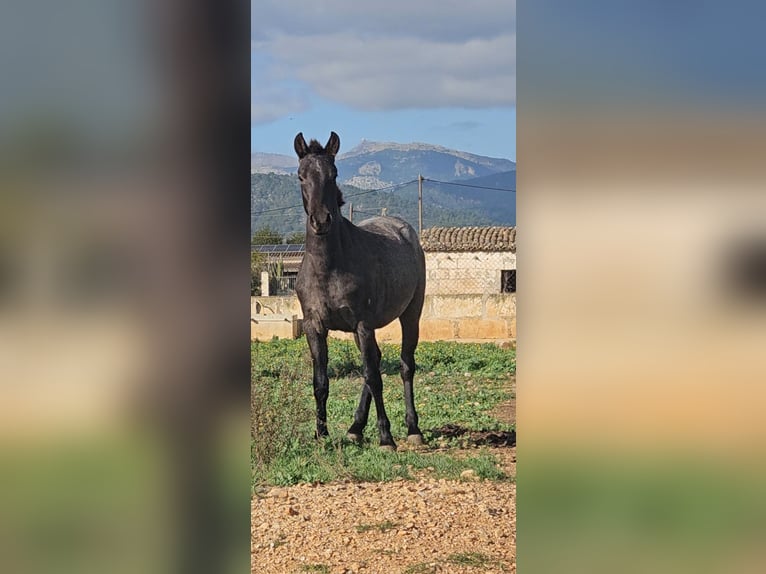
(265, 283)
(420, 205)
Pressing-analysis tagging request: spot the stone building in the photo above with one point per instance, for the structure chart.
(470, 260)
(470, 291)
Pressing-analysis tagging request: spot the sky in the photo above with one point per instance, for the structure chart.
(433, 71)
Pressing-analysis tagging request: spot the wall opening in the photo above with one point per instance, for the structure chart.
(508, 281)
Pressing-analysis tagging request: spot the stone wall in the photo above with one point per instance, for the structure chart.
(470, 317)
(470, 273)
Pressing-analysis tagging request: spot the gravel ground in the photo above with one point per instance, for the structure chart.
(413, 527)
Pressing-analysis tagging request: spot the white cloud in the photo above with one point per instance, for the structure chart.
(432, 19)
(268, 111)
(401, 54)
(465, 126)
(274, 103)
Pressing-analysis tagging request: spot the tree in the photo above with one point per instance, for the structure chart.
(266, 236)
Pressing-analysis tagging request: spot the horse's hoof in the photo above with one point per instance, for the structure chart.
(388, 447)
(353, 437)
(415, 439)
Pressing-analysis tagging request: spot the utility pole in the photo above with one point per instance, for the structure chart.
(351, 212)
(420, 204)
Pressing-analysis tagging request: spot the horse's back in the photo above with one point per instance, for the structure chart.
(399, 252)
(392, 228)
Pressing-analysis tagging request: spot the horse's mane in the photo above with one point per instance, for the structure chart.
(316, 147)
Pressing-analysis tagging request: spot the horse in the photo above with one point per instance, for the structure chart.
(356, 278)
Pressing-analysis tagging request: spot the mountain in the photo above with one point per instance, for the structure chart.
(489, 192)
(272, 163)
(457, 198)
(275, 202)
(373, 165)
(501, 180)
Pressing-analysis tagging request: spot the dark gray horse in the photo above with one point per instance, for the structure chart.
(356, 278)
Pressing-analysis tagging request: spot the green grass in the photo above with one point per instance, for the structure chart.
(456, 384)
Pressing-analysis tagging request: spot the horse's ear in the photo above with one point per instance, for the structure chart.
(333, 144)
(301, 148)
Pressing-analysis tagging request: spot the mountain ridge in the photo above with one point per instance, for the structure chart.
(369, 146)
(275, 202)
(372, 165)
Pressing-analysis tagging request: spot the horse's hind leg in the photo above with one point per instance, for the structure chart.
(410, 321)
(363, 410)
(374, 383)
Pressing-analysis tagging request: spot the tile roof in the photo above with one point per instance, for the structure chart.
(469, 239)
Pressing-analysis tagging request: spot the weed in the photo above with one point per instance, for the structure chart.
(421, 568)
(476, 559)
(280, 540)
(278, 409)
(319, 568)
(381, 526)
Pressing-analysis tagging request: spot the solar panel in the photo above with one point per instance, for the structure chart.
(291, 249)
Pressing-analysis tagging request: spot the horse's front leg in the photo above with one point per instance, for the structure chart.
(363, 410)
(317, 339)
(372, 379)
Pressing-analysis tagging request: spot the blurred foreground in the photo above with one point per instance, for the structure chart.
(642, 288)
(124, 154)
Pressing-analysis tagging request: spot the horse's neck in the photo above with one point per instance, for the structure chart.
(326, 253)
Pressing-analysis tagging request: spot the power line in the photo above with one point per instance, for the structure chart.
(276, 209)
(389, 188)
(468, 185)
(367, 211)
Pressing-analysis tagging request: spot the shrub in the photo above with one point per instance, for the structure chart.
(279, 412)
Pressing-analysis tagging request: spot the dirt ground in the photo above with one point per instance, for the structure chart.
(409, 527)
(396, 527)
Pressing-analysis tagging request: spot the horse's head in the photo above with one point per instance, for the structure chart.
(322, 198)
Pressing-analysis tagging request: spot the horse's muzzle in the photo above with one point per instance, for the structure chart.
(321, 227)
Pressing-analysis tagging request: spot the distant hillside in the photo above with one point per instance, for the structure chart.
(272, 163)
(275, 201)
(501, 180)
(499, 205)
(376, 165)
(372, 165)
